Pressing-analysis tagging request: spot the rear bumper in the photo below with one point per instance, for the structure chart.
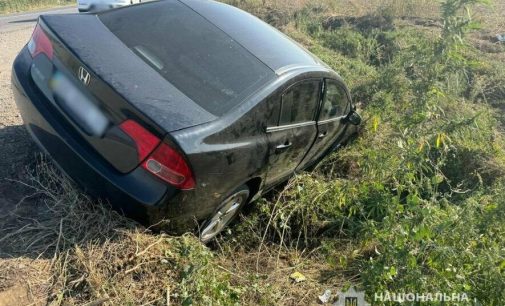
(138, 194)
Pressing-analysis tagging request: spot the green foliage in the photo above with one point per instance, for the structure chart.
(453, 248)
(455, 24)
(420, 192)
(201, 282)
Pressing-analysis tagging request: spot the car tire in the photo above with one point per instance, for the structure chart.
(227, 211)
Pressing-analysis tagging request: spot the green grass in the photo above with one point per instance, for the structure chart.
(12, 6)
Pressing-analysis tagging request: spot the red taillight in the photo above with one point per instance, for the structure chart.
(40, 43)
(165, 162)
(145, 141)
(169, 165)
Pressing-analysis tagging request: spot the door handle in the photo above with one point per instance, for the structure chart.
(322, 134)
(283, 147)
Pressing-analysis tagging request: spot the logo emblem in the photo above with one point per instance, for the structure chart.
(84, 76)
(351, 298)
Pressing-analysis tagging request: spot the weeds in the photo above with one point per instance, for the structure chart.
(97, 256)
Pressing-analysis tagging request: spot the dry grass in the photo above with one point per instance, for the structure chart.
(493, 16)
(269, 278)
(65, 218)
(75, 251)
(493, 23)
(12, 6)
(65, 221)
(339, 7)
(400, 8)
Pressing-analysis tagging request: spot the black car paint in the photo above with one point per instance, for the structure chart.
(113, 104)
(90, 42)
(224, 153)
(288, 145)
(330, 133)
(133, 193)
(114, 142)
(235, 150)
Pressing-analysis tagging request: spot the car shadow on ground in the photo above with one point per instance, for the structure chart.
(41, 212)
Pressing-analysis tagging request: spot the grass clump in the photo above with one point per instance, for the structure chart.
(94, 255)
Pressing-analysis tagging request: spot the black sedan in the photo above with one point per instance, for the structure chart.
(178, 110)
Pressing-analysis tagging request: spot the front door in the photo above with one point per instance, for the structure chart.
(335, 106)
(292, 135)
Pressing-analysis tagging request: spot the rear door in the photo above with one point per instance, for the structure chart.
(293, 133)
(335, 105)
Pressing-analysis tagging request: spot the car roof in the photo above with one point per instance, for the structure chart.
(276, 50)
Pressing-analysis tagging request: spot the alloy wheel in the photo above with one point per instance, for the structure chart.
(228, 210)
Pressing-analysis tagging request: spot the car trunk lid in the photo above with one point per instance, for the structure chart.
(97, 83)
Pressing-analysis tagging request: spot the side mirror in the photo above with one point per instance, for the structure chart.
(353, 118)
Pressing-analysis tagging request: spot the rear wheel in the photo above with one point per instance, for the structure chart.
(226, 212)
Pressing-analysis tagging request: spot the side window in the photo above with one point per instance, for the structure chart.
(299, 103)
(335, 101)
(274, 110)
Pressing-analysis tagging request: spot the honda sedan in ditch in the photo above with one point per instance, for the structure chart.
(178, 110)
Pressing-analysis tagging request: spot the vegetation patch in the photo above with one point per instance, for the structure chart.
(412, 204)
(12, 6)
(91, 254)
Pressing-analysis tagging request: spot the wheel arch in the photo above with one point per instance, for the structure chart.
(254, 185)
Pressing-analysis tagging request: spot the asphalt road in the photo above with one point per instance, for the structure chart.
(19, 20)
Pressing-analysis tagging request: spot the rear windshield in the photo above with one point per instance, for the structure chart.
(191, 53)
